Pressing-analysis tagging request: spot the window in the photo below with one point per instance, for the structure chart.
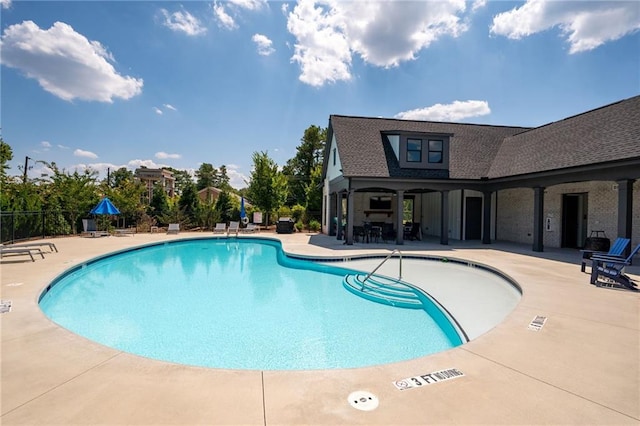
(414, 150)
(435, 151)
(334, 156)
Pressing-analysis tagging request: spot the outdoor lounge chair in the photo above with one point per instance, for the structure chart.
(21, 250)
(220, 228)
(233, 227)
(121, 232)
(612, 269)
(251, 227)
(173, 228)
(618, 247)
(52, 247)
(90, 228)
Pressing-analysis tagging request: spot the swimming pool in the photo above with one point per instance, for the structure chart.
(238, 304)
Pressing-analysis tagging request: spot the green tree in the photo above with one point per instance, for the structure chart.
(183, 179)
(159, 205)
(76, 193)
(300, 170)
(189, 202)
(223, 179)
(224, 206)
(119, 178)
(6, 155)
(206, 176)
(268, 186)
(127, 197)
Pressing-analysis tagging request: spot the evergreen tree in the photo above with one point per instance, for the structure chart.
(300, 169)
(224, 206)
(188, 202)
(207, 176)
(268, 187)
(159, 205)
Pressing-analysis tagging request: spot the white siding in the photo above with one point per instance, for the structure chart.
(334, 171)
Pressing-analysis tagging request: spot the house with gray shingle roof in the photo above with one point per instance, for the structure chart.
(552, 185)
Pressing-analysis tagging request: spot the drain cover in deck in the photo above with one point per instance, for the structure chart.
(363, 400)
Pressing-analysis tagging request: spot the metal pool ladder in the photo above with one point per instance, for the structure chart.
(380, 264)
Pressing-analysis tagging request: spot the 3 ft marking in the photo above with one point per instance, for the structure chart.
(428, 379)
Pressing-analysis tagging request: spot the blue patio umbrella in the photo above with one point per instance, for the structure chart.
(105, 206)
(243, 213)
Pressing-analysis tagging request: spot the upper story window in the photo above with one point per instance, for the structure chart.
(414, 150)
(334, 156)
(435, 151)
(428, 151)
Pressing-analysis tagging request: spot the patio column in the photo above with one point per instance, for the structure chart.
(625, 210)
(339, 215)
(350, 217)
(399, 217)
(444, 217)
(538, 218)
(486, 217)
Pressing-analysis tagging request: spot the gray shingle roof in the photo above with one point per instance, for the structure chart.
(605, 134)
(362, 151)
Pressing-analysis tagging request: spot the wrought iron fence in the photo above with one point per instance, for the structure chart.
(24, 225)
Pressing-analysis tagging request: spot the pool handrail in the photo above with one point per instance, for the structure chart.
(380, 264)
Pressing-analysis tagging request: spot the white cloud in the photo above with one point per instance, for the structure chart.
(223, 11)
(169, 106)
(6, 4)
(163, 155)
(101, 168)
(224, 19)
(65, 63)
(157, 110)
(134, 164)
(184, 22)
(46, 145)
(236, 179)
(477, 4)
(586, 25)
(248, 4)
(456, 111)
(382, 33)
(62, 146)
(83, 153)
(264, 44)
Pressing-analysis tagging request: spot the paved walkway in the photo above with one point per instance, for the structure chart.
(582, 367)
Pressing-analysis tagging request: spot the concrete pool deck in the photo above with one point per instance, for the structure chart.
(582, 367)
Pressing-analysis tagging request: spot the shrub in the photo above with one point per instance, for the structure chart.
(298, 213)
(314, 225)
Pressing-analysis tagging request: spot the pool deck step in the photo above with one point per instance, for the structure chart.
(383, 290)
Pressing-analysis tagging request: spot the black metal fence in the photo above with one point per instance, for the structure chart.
(24, 225)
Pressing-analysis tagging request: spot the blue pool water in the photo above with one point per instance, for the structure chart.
(237, 304)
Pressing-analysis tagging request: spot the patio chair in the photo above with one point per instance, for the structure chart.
(233, 227)
(612, 269)
(413, 233)
(618, 247)
(173, 228)
(52, 247)
(220, 228)
(21, 250)
(90, 229)
(388, 233)
(251, 227)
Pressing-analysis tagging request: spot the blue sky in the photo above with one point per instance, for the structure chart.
(124, 84)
